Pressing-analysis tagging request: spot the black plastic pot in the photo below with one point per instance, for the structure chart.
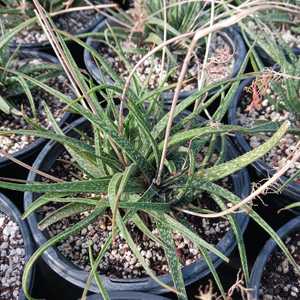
(266, 252)
(9, 209)
(31, 150)
(230, 33)
(46, 45)
(191, 273)
(128, 296)
(292, 190)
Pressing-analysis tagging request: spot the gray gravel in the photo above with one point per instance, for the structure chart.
(280, 32)
(73, 23)
(12, 258)
(280, 280)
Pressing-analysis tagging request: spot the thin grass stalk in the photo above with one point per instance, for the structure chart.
(79, 89)
(29, 168)
(81, 8)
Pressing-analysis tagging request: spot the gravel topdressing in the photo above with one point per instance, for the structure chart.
(219, 66)
(12, 258)
(248, 115)
(119, 261)
(14, 143)
(280, 281)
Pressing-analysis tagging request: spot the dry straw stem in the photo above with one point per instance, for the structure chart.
(47, 28)
(80, 90)
(97, 7)
(205, 60)
(273, 180)
(31, 169)
(165, 38)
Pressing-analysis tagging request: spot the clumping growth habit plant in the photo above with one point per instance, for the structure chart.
(121, 161)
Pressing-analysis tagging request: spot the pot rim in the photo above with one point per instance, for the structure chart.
(46, 45)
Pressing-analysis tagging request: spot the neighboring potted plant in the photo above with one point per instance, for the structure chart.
(16, 249)
(75, 17)
(272, 275)
(121, 43)
(22, 104)
(272, 96)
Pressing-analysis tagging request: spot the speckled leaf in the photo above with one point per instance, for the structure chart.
(173, 261)
(213, 188)
(238, 237)
(112, 192)
(41, 201)
(136, 219)
(63, 212)
(222, 170)
(98, 280)
(84, 186)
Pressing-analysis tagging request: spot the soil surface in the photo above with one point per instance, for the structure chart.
(280, 280)
(12, 258)
(119, 261)
(288, 31)
(219, 66)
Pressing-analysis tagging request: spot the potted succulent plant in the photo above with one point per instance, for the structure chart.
(272, 275)
(22, 104)
(116, 185)
(125, 39)
(76, 17)
(16, 248)
(273, 96)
